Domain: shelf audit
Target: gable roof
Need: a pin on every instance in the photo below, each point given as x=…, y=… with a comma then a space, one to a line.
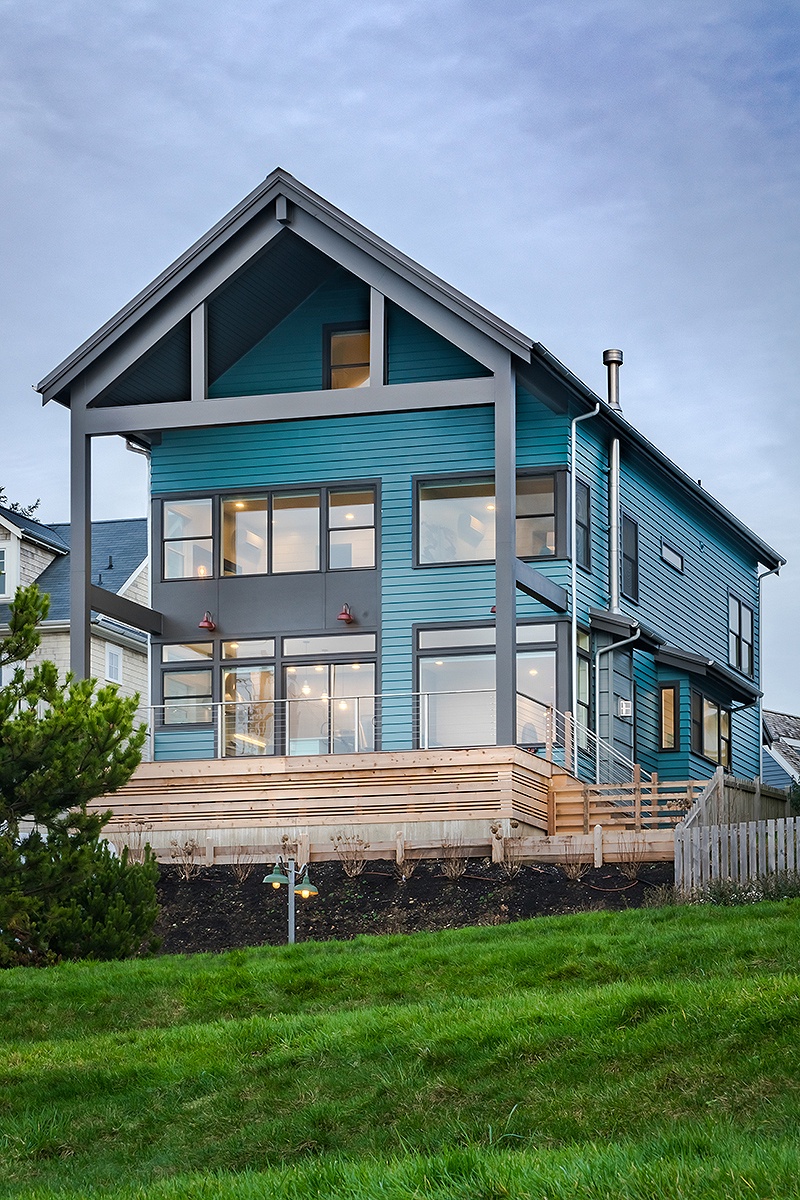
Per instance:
x=279, y=183
x=122, y=543
x=282, y=189
x=34, y=531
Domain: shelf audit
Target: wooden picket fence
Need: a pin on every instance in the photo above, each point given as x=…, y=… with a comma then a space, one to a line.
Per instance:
x=742, y=853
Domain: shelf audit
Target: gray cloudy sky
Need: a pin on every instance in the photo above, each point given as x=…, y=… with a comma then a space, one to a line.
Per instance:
x=605, y=173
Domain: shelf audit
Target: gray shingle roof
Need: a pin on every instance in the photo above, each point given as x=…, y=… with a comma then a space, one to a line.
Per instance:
x=118, y=548
x=46, y=534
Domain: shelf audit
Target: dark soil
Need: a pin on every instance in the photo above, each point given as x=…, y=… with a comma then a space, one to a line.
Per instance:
x=214, y=911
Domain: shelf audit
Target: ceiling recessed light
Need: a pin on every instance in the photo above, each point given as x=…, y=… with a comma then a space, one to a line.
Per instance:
x=349, y=516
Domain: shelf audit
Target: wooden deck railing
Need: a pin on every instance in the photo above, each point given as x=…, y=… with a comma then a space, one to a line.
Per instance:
x=636, y=806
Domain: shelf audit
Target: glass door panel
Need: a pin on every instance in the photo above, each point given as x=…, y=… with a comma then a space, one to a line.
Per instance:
x=249, y=710
x=353, y=707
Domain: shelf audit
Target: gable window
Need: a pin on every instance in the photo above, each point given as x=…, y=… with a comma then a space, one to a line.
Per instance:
x=113, y=663
x=740, y=635
x=711, y=730
x=187, y=539
x=456, y=523
x=630, y=558
x=583, y=525
x=347, y=358
x=668, y=715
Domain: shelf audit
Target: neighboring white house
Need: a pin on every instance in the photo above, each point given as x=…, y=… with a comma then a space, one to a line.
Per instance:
x=780, y=765
x=31, y=552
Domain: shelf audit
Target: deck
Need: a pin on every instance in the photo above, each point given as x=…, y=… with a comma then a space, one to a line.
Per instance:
x=490, y=801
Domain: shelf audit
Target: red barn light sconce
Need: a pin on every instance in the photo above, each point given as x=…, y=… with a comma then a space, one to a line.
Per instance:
x=345, y=615
x=493, y=609
x=207, y=623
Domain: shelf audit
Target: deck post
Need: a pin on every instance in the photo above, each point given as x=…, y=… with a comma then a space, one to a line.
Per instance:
x=598, y=845
x=505, y=483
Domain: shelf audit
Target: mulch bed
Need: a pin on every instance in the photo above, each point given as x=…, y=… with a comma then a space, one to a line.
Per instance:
x=214, y=911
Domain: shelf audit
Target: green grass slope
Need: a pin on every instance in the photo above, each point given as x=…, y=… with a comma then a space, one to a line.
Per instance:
x=653, y=1053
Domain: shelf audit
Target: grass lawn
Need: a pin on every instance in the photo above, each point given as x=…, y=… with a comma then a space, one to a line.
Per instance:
x=651, y=1053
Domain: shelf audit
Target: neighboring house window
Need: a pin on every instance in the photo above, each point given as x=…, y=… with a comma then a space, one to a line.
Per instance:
x=3, y=579
x=711, y=730
x=113, y=663
x=583, y=525
x=673, y=557
x=455, y=519
x=187, y=539
x=668, y=717
x=740, y=635
x=630, y=558
x=347, y=358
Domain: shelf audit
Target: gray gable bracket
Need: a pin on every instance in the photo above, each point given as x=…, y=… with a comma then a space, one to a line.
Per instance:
x=126, y=611
x=533, y=583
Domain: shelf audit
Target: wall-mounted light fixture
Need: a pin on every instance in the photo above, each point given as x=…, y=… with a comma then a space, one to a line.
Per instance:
x=345, y=615
x=207, y=622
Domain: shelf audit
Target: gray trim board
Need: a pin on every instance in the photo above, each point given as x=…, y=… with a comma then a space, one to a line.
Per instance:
x=126, y=611
x=288, y=406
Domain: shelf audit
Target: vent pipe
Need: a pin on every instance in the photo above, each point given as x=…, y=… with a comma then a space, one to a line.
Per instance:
x=613, y=360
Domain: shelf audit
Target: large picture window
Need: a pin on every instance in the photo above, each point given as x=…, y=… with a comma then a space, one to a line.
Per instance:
x=456, y=519
x=276, y=532
x=458, y=688
x=740, y=635
x=711, y=730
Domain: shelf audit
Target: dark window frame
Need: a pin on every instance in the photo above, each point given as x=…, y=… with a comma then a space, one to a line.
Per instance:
x=220, y=496
x=722, y=759
x=665, y=545
x=674, y=687
x=736, y=640
x=339, y=327
x=559, y=477
x=632, y=593
x=587, y=526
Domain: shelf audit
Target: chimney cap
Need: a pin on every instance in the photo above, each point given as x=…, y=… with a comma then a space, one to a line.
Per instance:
x=612, y=356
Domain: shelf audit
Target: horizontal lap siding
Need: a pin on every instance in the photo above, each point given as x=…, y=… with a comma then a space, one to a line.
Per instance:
x=417, y=354
x=592, y=461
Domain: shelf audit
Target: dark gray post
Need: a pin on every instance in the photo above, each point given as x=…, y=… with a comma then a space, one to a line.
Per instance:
x=80, y=555
x=505, y=476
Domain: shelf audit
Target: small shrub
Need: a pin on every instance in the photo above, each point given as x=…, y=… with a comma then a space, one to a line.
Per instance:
x=242, y=867
x=351, y=850
x=453, y=864
x=632, y=845
x=184, y=854
x=111, y=915
x=572, y=863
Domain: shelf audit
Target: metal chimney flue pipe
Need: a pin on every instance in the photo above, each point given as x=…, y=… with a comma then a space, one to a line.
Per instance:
x=613, y=360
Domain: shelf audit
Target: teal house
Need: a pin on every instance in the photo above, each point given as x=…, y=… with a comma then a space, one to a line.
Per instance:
x=383, y=520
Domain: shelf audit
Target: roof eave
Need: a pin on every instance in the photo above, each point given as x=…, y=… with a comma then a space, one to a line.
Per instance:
x=280, y=182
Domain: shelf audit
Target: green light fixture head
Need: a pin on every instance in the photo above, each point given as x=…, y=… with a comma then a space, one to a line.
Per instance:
x=305, y=887
x=277, y=877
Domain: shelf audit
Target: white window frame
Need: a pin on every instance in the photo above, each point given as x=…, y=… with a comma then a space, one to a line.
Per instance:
x=113, y=648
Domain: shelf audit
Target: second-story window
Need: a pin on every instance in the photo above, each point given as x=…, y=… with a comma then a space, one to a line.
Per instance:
x=276, y=533
x=630, y=558
x=456, y=518
x=347, y=353
x=583, y=525
x=188, y=543
x=740, y=635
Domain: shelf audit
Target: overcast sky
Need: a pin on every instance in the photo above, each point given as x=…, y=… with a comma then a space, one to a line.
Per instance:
x=597, y=173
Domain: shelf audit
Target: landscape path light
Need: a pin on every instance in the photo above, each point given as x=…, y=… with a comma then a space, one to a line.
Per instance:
x=288, y=877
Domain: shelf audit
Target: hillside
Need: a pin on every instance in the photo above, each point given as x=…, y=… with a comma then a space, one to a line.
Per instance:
x=650, y=1053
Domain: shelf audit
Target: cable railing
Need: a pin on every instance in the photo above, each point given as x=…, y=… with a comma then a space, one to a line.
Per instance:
x=357, y=724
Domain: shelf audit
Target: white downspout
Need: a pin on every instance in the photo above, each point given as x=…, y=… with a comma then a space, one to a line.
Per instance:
x=613, y=527
x=573, y=486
